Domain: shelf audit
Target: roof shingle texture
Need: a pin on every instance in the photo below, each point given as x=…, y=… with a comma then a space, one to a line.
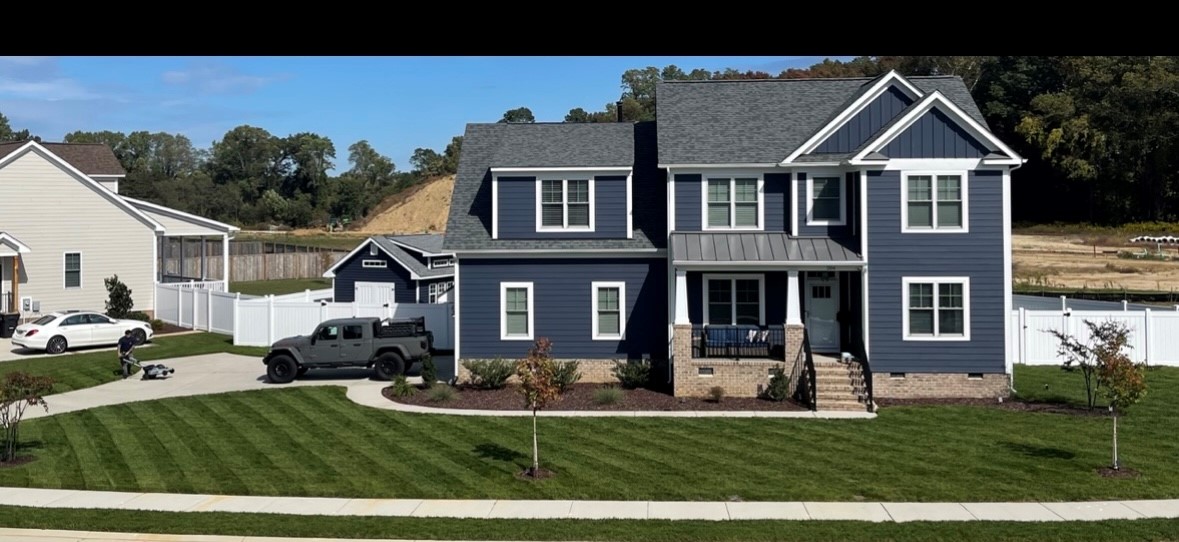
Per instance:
x=89, y=158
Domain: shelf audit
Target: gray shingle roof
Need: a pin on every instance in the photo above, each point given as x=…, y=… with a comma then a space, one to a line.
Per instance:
x=745, y=122
x=425, y=242
x=408, y=261
x=758, y=247
x=555, y=145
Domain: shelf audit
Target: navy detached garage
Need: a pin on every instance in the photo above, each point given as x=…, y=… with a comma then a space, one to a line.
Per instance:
x=395, y=269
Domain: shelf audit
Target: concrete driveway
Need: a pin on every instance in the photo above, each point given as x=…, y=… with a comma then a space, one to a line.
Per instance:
x=10, y=352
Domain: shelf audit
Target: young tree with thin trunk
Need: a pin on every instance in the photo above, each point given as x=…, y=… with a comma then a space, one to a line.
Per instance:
x=1124, y=384
x=1106, y=339
x=539, y=386
x=19, y=391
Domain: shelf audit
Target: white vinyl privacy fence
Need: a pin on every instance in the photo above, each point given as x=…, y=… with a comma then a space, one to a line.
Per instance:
x=259, y=321
x=1154, y=334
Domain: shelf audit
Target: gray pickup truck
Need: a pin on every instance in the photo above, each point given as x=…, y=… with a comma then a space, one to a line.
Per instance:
x=388, y=346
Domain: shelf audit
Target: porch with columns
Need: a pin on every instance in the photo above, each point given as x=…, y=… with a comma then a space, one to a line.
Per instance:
x=208, y=266
x=10, y=272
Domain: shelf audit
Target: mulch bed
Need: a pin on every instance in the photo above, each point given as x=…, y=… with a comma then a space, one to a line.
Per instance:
x=1007, y=404
x=1124, y=472
x=581, y=397
x=18, y=461
x=169, y=328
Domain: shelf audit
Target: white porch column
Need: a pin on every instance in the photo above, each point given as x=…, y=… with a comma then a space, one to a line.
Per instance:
x=204, y=259
x=225, y=260
x=681, y=298
x=793, y=305
x=181, y=264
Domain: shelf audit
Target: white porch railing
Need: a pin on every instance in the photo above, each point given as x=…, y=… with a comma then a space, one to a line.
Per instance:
x=259, y=321
x=215, y=285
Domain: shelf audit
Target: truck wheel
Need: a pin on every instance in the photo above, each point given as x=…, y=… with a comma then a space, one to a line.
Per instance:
x=281, y=369
x=389, y=365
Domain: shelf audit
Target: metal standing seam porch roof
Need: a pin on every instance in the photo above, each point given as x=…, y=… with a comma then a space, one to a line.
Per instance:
x=759, y=247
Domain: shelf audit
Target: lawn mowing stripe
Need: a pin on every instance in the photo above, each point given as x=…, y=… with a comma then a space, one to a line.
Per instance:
x=238, y=453
x=57, y=459
x=103, y=427
x=341, y=417
x=89, y=458
x=155, y=435
x=614, y=456
x=129, y=440
x=316, y=450
x=213, y=476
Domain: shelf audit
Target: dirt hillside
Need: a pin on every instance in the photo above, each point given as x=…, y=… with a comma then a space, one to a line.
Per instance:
x=1076, y=262
x=421, y=209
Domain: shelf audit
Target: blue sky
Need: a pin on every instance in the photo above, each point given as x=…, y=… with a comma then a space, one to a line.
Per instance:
x=396, y=103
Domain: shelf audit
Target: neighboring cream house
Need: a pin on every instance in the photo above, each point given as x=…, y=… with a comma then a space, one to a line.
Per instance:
x=64, y=228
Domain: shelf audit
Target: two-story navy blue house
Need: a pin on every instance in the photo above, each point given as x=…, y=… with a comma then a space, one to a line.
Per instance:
x=753, y=224
x=395, y=269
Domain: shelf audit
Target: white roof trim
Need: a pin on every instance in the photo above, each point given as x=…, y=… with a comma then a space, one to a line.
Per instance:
x=781, y=264
x=416, y=249
x=86, y=179
x=14, y=243
x=719, y=166
x=936, y=99
x=181, y=215
x=555, y=169
x=109, y=176
x=852, y=110
x=558, y=253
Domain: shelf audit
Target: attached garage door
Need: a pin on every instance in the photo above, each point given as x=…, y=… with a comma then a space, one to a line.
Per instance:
x=374, y=293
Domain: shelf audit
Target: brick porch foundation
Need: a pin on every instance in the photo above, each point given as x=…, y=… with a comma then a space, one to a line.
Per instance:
x=939, y=385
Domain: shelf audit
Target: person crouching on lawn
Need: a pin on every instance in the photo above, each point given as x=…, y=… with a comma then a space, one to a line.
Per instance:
x=126, y=346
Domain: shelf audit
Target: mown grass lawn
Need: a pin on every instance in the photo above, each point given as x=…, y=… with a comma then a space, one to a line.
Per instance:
x=315, y=442
x=276, y=525
x=91, y=368
x=279, y=287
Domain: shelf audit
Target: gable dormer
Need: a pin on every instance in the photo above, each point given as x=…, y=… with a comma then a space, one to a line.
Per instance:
x=877, y=103
x=563, y=181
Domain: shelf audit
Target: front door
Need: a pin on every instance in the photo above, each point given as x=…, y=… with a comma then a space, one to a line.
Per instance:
x=374, y=293
x=822, y=304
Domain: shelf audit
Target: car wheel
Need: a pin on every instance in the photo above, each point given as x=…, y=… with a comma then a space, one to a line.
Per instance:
x=281, y=369
x=56, y=345
x=389, y=365
x=139, y=336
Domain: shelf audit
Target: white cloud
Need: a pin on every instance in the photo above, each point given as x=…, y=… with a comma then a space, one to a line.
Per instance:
x=25, y=60
x=215, y=78
x=49, y=90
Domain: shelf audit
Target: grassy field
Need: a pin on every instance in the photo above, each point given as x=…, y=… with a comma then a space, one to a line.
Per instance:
x=276, y=525
x=279, y=287
x=338, y=241
x=273, y=443
x=86, y=369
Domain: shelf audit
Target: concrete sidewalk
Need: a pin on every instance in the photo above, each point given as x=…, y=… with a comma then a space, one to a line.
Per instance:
x=568, y=509
x=44, y=535
x=222, y=373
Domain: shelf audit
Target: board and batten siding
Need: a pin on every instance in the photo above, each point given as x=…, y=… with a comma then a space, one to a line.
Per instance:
x=689, y=208
x=53, y=212
x=353, y=271
x=977, y=254
x=934, y=135
x=866, y=123
x=851, y=189
x=563, y=304
x=517, y=210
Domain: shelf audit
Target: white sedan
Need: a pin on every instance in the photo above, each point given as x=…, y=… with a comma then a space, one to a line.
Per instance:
x=59, y=331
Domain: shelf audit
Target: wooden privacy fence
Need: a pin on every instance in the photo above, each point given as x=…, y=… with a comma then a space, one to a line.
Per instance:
x=251, y=267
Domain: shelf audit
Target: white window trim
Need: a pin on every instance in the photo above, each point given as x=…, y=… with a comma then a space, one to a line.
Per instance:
x=374, y=264
x=565, y=204
x=372, y=248
x=81, y=264
x=810, y=200
x=965, y=175
x=761, y=200
x=435, y=265
x=503, y=311
x=436, y=289
x=594, y=286
x=964, y=281
x=761, y=296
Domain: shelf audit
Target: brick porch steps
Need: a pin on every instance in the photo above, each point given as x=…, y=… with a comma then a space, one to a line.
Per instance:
x=838, y=386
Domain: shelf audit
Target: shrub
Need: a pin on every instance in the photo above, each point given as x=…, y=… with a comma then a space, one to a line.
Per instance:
x=779, y=387
x=429, y=371
x=402, y=388
x=608, y=395
x=566, y=375
x=440, y=394
x=489, y=374
x=632, y=374
x=157, y=324
x=118, y=302
x=18, y=392
x=716, y=394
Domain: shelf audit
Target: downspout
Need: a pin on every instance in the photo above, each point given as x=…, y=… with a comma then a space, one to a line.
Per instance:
x=1022, y=161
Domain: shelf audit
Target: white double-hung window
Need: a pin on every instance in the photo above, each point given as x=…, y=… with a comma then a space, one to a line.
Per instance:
x=733, y=203
x=516, y=316
x=934, y=202
x=609, y=310
x=936, y=308
x=825, y=201
x=565, y=204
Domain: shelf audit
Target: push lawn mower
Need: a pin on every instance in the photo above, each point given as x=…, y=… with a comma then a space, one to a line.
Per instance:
x=152, y=371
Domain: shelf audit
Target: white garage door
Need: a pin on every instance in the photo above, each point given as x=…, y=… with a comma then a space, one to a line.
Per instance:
x=374, y=293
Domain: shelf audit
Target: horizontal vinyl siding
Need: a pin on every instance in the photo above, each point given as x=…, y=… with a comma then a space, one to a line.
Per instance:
x=562, y=304
x=934, y=135
x=866, y=123
x=977, y=254
x=353, y=271
x=53, y=212
x=777, y=196
x=687, y=202
x=517, y=210
x=834, y=232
